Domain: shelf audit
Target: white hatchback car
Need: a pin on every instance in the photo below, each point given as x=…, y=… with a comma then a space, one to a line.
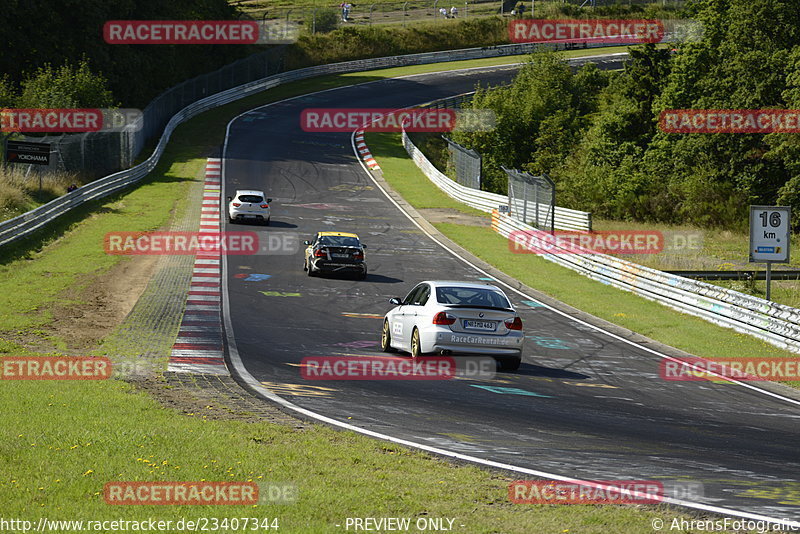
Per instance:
x=455, y=317
x=249, y=205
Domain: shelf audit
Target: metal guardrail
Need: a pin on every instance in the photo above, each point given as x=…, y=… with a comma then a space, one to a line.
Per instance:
x=775, y=323
x=782, y=274
x=30, y=222
x=565, y=219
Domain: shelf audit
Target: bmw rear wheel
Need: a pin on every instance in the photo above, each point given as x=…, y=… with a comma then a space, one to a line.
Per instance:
x=386, y=338
x=415, y=345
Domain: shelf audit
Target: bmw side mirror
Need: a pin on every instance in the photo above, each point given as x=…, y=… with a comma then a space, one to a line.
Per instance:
x=306, y=242
x=363, y=245
x=230, y=198
x=395, y=300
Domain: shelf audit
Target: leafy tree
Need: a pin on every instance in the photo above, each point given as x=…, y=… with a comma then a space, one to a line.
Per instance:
x=608, y=155
x=8, y=93
x=539, y=118
x=65, y=87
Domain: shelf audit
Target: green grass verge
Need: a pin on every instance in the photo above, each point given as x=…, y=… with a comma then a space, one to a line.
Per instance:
x=62, y=442
x=658, y=322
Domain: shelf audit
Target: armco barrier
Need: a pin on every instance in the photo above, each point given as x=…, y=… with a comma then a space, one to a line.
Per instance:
x=774, y=323
x=565, y=219
x=32, y=221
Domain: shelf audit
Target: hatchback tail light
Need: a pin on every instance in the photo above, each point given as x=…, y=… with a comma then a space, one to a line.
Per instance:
x=265, y=205
x=320, y=253
x=515, y=324
x=443, y=318
x=236, y=204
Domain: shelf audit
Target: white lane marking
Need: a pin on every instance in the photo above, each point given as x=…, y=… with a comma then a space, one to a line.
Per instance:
x=251, y=381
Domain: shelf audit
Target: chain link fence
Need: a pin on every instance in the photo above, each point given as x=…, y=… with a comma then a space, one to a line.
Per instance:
x=415, y=11
x=96, y=154
x=531, y=199
x=465, y=163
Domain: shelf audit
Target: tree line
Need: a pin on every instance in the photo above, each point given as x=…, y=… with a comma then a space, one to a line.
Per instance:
x=54, y=54
x=596, y=133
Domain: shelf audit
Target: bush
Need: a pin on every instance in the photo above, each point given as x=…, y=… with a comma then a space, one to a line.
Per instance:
x=323, y=21
x=65, y=87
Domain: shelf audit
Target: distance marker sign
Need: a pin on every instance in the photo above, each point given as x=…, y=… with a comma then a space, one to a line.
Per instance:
x=769, y=234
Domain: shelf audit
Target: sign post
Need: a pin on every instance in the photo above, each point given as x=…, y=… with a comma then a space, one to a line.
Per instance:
x=770, y=233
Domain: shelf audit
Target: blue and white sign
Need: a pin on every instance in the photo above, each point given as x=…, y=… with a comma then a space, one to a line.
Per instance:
x=769, y=234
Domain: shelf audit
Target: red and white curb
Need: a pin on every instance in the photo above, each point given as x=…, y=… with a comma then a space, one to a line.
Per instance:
x=363, y=149
x=198, y=347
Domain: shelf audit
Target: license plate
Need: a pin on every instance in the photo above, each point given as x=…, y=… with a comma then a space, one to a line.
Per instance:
x=480, y=325
x=340, y=255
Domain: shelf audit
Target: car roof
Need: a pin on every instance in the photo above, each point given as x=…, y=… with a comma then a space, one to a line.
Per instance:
x=249, y=192
x=339, y=234
x=460, y=283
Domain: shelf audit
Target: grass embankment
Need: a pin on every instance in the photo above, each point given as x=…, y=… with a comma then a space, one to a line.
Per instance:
x=415, y=12
x=61, y=442
x=20, y=192
x=658, y=322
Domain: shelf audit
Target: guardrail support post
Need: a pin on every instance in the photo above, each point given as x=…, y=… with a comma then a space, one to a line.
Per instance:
x=769, y=278
x=405, y=5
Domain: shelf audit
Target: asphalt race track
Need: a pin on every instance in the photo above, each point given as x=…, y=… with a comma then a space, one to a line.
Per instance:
x=584, y=404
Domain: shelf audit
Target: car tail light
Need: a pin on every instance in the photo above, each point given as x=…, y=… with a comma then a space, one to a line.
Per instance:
x=443, y=318
x=515, y=324
x=320, y=253
x=358, y=254
x=264, y=205
x=236, y=204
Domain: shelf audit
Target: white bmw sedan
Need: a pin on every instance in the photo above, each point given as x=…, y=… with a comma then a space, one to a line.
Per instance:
x=455, y=317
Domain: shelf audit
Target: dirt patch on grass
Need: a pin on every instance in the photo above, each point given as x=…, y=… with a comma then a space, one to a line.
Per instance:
x=450, y=215
x=105, y=300
x=96, y=304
